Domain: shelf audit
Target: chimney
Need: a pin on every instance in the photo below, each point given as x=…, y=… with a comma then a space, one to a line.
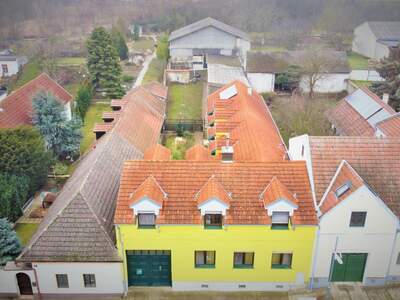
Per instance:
x=249, y=90
x=385, y=98
x=227, y=152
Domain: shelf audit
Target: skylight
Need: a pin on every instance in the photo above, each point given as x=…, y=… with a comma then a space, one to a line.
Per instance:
x=228, y=93
x=340, y=191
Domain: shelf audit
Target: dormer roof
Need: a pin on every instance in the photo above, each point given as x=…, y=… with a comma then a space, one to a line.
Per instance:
x=276, y=191
x=151, y=190
x=212, y=189
x=157, y=152
x=197, y=152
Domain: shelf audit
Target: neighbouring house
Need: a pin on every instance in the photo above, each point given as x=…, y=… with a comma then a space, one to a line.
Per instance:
x=73, y=251
x=10, y=64
x=208, y=36
x=363, y=113
x=3, y=93
x=263, y=68
x=356, y=183
x=240, y=124
x=223, y=70
x=375, y=39
x=16, y=109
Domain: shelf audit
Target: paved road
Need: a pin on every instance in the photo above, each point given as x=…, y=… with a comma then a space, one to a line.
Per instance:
x=146, y=65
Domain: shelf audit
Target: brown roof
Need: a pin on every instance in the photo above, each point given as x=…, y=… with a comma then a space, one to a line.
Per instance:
x=111, y=115
x=376, y=160
x=390, y=126
x=157, y=152
x=182, y=180
x=265, y=62
x=103, y=127
x=157, y=89
x=276, y=190
x=16, y=109
x=149, y=188
x=198, y=152
x=79, y=225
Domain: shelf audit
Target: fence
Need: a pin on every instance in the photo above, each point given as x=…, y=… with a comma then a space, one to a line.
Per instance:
x=186, y=125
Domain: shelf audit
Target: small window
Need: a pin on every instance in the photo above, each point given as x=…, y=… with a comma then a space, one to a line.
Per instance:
x=340, y=191
x=89, y=280
x=204, y=259
x=280, y=220
x=213, y=221
x=281, y=260
x=243, y=259
x=398, y=259
x=146, y=220
x=5, y=69
x=358, y=218
x=62, y=281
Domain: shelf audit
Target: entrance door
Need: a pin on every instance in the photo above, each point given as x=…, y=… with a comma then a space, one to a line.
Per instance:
x=149, y=267
x=24, y=284
x=352, y=268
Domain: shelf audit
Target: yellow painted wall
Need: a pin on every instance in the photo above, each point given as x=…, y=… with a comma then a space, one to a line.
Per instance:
x=184, y=240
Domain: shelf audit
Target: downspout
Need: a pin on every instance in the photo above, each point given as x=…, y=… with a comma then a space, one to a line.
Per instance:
x=125, y=283
x=392, y=252
x=315, y=258
x=37, y=283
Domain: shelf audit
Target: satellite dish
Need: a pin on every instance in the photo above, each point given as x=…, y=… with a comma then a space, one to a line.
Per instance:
x=338, y=258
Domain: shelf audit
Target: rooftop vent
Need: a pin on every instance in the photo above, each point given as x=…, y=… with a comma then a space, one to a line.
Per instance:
x=385, y=98
x=340, y=191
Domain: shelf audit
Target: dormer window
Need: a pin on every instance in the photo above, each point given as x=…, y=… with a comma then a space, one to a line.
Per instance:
x=146, y=220
x=213, y=221
x=280, y=220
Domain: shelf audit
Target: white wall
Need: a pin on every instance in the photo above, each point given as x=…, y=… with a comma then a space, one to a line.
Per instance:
x=67, y=110
x=364, y=41
x=262, y=82
x=329, y=83
x=12, y=67
x=395, y=268
x=381, y=51
x=365, y=75
x=9, y=284
x=109, y=277
x=375, y=238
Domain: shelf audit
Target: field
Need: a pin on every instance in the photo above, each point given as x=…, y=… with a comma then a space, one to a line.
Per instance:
x=155, y=71
x=357, y=61
x=141, y=45
x=25, y=231
x=71, y=61
x=29, y=72
x=185, y=101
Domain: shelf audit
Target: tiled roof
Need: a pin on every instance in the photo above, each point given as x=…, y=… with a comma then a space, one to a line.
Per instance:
x=17, y=109
x=276, y=190
x=79, y=225
x=111, y=115
x=376, y=160
x=247, y=122
x=150, y=189
x=118, y=102
x=182, y=180
x=386, y=30
x=390, y=126
x=157, y=89
x=212, y=189
x=344, y=174
x=103, y=127
x=198, y=152
x=157, y=152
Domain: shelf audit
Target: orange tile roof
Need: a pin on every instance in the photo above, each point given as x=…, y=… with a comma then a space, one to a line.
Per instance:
x=182, y=180
x=276, y=190
x=376, y=160
x=16, y=109
x=103, y=127
x=157, y=152
x=111, y=115
x=247, y=122
x=390, y=126
x=212, y=189
x=151, y=189
x=118, y=103
x=157, y=89
x=198, y=152
x=345, y=173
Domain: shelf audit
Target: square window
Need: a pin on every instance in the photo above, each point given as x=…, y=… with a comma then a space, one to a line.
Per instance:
x=146, y=220
x=243, y=259
x=62, y=280
x=213, y=221
x=89, y=280
x=358, y=218
x=280, y=220
x=281, y=260
x=204, y=259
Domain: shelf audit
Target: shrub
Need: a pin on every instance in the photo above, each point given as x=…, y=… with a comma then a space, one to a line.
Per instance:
x=127, y=78
x=10, y=246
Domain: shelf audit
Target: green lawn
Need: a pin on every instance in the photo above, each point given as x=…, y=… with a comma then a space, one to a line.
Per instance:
x=357, y=61
x=178, y=148
x=185, y=101
x=72, y=88
x=29, y=72
x=25, y=231
x=155, y=71
x=93, y=115
x=71, y=61
x=142, y=44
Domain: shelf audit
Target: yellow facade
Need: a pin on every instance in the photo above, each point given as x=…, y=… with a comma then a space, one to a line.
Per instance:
x=184, y=240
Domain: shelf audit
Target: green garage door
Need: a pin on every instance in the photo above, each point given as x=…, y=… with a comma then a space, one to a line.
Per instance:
x=149, y=267
x=352, y=268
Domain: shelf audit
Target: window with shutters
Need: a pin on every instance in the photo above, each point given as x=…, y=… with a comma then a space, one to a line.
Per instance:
x=89, y=280
x=358, y=218
x=243, y=260
x=204, y=259
x=281, y=260
x=146, y=220
x=62, y=281
x=280, y=220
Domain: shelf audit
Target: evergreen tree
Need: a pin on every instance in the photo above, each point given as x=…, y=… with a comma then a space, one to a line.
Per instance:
x=23, y=154
x=103, y=63
x=83, y=98
x=10, y=246
x=13, y=195
x=136, y=30
x=61, y=135
x=120, y=43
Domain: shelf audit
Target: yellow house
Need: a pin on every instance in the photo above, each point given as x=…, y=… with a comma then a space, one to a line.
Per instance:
x=215, y=225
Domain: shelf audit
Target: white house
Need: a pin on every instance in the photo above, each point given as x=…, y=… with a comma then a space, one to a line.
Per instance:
x=10, y=64
x=375, y=39
x=208, y=36
x=356, y=188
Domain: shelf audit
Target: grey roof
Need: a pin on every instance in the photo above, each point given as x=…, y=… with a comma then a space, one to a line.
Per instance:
x=385, y=31
x=79, y=225
x=206, y=23
x=221, y=74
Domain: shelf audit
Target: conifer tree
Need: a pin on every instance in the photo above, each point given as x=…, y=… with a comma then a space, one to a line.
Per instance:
x=10, y=246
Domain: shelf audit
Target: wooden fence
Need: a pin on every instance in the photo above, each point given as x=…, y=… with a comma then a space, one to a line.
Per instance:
x=187, y=125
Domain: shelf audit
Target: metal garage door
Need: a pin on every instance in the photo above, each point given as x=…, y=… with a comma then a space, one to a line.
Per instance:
x=149, y=267
x=352, y=268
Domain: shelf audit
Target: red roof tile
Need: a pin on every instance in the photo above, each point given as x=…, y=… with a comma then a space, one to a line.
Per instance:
x=103, y=127
x=390, y=126
x=157, y=152
x=182, y=180
x=212, y=189
x=198, y=152
x=151, y=189
x=276, y=190
x=111, y=115
x=157, y=89
x=16, y=109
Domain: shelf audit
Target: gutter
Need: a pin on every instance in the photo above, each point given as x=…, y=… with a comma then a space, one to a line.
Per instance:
x=315, y=257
